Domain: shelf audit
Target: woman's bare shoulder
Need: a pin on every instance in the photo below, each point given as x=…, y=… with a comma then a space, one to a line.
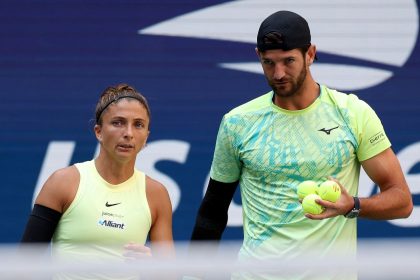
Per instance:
x=59, y=189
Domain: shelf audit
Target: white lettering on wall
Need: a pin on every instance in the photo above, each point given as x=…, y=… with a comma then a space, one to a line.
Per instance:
x=234, y=212
x=172, y=150
x=409, y=157
x=59, y=154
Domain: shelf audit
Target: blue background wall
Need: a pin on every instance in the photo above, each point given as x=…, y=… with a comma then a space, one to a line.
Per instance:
x=56, y=57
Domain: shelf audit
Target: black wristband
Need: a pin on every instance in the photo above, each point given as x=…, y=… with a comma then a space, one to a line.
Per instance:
x=41, y=225
x=212, y=216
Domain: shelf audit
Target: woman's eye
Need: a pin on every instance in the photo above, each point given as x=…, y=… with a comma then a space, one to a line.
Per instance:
x=139, y=125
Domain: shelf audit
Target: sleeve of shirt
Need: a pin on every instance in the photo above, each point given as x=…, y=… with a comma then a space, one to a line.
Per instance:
x=226, y=165
x=370, y=132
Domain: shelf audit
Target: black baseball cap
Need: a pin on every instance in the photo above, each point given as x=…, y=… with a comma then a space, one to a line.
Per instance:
x=290, y=29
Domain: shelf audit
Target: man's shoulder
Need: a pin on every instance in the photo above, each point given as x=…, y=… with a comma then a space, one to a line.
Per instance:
x=257, y=104
x=342, y=99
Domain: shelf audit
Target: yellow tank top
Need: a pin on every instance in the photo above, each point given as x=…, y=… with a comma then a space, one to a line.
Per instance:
x=102, y=218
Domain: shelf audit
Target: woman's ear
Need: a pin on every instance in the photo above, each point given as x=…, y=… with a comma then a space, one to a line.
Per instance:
x=145, y=141
x=98, y=132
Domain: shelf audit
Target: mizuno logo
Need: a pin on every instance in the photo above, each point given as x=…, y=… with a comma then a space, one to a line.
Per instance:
x=327, y=131
x=111, y=204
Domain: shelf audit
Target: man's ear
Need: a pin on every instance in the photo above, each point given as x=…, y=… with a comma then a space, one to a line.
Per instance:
x=257, y=52
x=311, y=54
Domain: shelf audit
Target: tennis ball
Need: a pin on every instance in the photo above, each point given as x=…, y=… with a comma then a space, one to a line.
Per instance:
x=310, y=206
x=329, y=190
x=305, y=188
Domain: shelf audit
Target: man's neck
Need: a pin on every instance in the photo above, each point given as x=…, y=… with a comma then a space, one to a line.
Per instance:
x=301, y=100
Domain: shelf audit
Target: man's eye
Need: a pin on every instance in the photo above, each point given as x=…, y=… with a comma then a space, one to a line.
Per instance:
x=290, y=60
x=267, y=62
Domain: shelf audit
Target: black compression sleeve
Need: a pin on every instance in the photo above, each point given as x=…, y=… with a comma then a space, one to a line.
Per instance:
x=212, y=216
x=41, y=225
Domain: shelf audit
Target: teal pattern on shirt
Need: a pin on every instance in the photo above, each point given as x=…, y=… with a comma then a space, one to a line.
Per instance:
x=270, y=150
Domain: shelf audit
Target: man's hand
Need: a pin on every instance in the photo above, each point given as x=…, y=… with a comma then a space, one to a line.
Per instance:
x=134, y=251
x=333, y=209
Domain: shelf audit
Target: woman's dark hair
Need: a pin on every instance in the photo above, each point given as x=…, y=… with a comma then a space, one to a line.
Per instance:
x=113, y=94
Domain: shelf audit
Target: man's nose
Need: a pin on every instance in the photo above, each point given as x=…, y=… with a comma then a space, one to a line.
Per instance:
x=279, y=71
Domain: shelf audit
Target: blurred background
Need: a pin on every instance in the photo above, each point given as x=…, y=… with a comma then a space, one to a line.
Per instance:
x=194, y=61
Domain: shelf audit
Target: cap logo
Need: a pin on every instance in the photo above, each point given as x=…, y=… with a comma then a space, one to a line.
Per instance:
x=273, y=38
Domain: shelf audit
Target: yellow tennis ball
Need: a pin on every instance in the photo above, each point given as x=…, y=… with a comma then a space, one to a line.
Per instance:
x=310, y=206
x=329, y=190
x=305, y=188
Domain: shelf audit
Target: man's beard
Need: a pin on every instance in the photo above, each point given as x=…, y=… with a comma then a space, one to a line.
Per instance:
x=296, y=85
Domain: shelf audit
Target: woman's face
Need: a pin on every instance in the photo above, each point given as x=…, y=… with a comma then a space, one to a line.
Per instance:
x=124, y=129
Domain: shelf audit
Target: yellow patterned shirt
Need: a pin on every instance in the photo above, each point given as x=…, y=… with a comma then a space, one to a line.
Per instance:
x=271, y=150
